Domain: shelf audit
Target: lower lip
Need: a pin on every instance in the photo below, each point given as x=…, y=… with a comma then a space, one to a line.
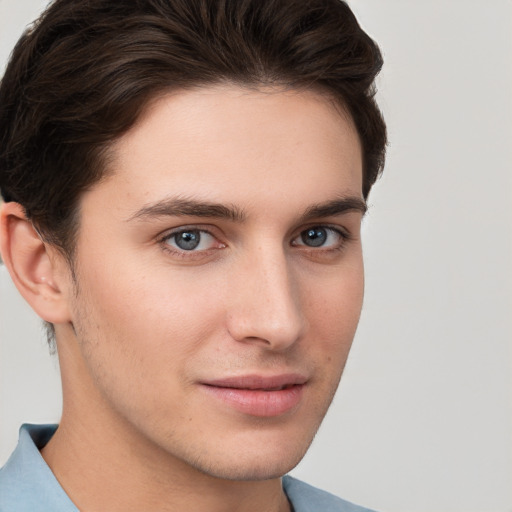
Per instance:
x=257, y=402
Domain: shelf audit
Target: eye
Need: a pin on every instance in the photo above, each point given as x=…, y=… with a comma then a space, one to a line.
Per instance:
x=320, y=236
x=191, y=240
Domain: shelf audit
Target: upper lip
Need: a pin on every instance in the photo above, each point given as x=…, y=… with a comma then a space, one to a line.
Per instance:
x=270, y=382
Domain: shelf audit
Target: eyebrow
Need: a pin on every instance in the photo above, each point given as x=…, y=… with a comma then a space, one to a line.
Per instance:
x=335, y=207
x=185, y=207
x=188, y=207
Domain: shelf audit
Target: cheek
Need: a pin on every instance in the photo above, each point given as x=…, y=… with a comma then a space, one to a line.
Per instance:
x=146, y=327
x=334, y=311
x=153, y=301
x=139, y=338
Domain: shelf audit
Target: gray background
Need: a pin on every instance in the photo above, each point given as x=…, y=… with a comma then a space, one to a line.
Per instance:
x=423, y=420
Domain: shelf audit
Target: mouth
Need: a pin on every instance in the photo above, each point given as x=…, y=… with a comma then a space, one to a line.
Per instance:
x=263, y=396
x=258, y=382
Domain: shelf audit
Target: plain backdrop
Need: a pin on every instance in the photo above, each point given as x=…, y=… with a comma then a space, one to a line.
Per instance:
x=423, y=418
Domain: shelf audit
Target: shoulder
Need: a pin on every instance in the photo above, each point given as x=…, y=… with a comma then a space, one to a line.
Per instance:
x=306, y=498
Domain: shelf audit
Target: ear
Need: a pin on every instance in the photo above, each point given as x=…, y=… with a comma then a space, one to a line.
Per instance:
x=39, y=271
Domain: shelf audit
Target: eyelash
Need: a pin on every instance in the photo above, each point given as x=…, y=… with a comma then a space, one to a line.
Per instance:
x=342, y=234
x=184, y=253
x=163, y=241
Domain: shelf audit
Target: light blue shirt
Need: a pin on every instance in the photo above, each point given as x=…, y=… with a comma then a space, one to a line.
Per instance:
x=27, y=484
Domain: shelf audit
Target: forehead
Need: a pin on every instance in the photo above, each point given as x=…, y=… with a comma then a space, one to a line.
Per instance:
x=227, y=143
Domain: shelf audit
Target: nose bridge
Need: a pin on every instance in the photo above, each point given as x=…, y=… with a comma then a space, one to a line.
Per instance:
x=266, y=303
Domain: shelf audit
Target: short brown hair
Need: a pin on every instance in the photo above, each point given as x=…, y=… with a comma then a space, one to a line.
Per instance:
x=80, y=77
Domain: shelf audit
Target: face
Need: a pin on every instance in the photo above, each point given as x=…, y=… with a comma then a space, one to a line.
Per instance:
x=219, y=278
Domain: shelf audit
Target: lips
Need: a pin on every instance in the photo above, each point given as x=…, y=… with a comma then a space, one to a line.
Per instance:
x=263, y=396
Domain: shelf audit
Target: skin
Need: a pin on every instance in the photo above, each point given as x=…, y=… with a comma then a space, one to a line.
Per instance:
x=143, y=324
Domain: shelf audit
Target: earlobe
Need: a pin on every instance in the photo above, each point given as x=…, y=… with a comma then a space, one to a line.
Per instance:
x=35, y=268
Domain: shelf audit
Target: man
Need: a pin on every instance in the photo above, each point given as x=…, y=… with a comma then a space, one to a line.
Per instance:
x=184, y=183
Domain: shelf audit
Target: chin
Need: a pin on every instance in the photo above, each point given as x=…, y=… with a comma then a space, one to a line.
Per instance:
x=254, y=463
x=251, y=470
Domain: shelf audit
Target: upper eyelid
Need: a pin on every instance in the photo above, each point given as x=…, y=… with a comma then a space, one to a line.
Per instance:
x=344, y=232
x=341, y=243
x=192, y=255
x=181, y=229
x=164, y=238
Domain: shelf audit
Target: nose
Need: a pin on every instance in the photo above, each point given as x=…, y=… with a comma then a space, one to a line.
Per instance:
x=265, y=303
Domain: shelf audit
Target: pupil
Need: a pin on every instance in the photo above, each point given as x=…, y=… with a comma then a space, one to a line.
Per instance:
x=314, y=237
x=188, y=240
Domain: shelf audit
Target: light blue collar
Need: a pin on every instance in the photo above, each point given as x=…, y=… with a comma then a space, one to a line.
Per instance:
x=27, y=484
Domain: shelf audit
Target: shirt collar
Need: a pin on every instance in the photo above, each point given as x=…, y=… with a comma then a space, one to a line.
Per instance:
x=26, y=481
